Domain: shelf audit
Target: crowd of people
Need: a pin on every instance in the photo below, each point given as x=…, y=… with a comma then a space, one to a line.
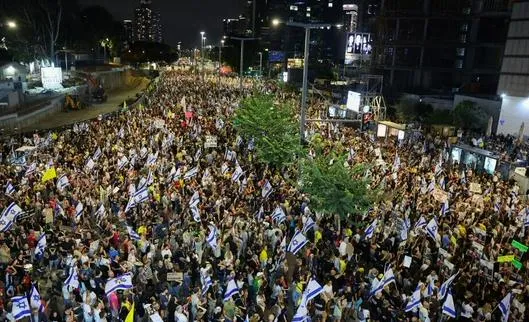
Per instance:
x=162, y=213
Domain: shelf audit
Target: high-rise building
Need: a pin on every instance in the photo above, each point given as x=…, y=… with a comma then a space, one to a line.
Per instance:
x=350, y=19
x=514, y=76
x=441, y=46
x=147, y=23
x=128, y=29
x=236, y=27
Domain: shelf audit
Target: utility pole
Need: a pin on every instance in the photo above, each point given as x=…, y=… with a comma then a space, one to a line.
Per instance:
x=242, y=40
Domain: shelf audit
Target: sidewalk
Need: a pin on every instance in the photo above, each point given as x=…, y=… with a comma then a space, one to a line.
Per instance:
x=115, y=99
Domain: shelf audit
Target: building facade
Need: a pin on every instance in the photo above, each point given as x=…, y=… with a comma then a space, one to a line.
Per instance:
x=147, y=23
x=514, y=77
x=441, y=46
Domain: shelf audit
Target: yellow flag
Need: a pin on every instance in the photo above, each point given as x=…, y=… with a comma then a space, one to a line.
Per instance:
x=130, y=316
x=49, y=174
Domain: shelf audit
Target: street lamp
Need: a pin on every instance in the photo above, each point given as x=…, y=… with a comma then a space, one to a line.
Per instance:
x=202, y=41
x=260, y=64
x=304, y=93
x=242, y=57
x=220, y=56
x=11, y=24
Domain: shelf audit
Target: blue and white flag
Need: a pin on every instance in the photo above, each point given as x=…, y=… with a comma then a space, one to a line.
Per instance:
x=431, y=186
x=445, y=208
x=260, y=213
x=432, y=229
x=237, y=173
x=206, y=282
x=224, y=168
x=405, y=227
x=448, y=306
x=370, y=230
x=122, y=162
x=34, y=299
x=195, y=199
x=41, y=246
x=302, y=313
x=10, y=189
x=123, y=282
x=443, y=290
x=351, y=155
x=63, y=182
x=196, y=213
x=278, y=215
x=100, y=212
x=198, y=154
x=497, y=206
x=267, y=189
x=8, y=216
x=79, y=210
x=505, y=306
x=463, y=179
x=90, y=164
x=231, y=289
x=97, y=154
x=229, y=155
x=297, y=242
x=313, y=289
x=415, y=299
x=526, y=218
x=396, y=163
x=309, y=224
x=191, y=173
x=20, y=307
x=31, y=169
x=73, y=279
x=387, y=279
x=421, y=223
x=151, y=159
x=430, y=288
x=130, y=204
x=121, y=133
x=132, y=234
x=141, y=195
x=212, y=237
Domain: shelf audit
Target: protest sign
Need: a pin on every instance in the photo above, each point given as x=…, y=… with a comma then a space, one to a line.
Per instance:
x=211, y=141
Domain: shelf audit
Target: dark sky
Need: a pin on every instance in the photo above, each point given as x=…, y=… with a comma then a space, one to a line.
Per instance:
x=182, y=19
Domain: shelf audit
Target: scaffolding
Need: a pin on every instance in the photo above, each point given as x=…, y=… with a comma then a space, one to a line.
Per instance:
x=370, y=89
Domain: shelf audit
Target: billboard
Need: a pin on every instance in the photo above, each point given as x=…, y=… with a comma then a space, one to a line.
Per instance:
x=51, y=77
x=295, y=63
x=275, y=56
x=358, y=45
x=353, y=101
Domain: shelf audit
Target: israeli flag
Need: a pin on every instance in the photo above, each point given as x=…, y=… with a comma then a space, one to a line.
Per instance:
x=229, y=155
x=206, y=174
x=191, y=173
x=198, y=154
x=267, y=189
x=10, y=189
x=370, y=230
x=31, y=169
x=432, y=228
x=387, y=279
x=430, y=289
x=445, y=208
x=237, y=174
x=121, y=133
x=79, y=210
x=224, y=168
x=141, y=195
x=448, y=306
x=313, y=289
x=260, y=213
x=396, y=163
x=100, y=212
x=97, y=154
x=212, y=237
x=8, y=216
x=231, y=290
x=73, y=278
x=34, y=299
x=122, y=162
x=206, y=282
x=123, y=282
x=297, y=242
x=63, y=182
x=497, y=206
x=463, y=177
x=279, y=215
x=219, y=124
x=173, y=175
x=143, y=152
x=406, y=224
x=151, y=159
x=195, y=199
x=309, y=224
x=443, y=290
x=302, y=312
x=130, y=204
x=132, y=234
x=41, y=246
x=431, y=186
x=415, y=299
x=505, y=306
x=20, y=307
x=196, y=213
x=90, y=164
x=526, y=219
x=421, y=223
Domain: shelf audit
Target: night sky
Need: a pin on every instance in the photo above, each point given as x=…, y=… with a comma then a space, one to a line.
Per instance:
x=182, y=19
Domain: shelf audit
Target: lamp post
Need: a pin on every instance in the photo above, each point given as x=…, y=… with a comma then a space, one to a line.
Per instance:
x=242, y=40
x=260, y=64
x=304, y=92
x=202, y=39
x=220, y=56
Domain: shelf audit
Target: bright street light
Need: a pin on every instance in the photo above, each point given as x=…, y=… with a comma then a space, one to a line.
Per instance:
x=276, y=22
x=11, y=24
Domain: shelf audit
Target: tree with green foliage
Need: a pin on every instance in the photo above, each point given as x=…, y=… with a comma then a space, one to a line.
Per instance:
x=334, y=188
x=470, y=116
x=409, y=110
x=273, y=127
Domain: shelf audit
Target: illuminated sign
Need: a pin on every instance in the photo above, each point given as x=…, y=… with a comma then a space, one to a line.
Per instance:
x=358, y=45
x=51, y=77
x=295, y=63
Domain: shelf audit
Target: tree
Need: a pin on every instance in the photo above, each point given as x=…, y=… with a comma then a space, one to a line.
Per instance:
x=470, y=116
x=409, y=110
x=273, y=127
x=334, y=188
